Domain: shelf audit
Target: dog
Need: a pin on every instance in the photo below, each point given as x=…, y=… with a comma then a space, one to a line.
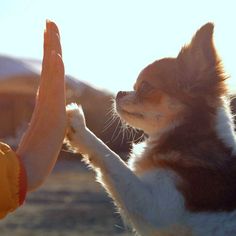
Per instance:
x=182, y=180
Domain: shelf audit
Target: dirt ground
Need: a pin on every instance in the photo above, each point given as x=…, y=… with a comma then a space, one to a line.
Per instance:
x=70, y=203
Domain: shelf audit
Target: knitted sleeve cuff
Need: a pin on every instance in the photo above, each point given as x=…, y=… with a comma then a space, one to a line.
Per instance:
x=13, y=180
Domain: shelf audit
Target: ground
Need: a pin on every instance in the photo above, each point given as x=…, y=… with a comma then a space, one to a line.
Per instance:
x=69, y=203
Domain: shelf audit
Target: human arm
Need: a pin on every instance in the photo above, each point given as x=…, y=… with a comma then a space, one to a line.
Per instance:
x=41, y=143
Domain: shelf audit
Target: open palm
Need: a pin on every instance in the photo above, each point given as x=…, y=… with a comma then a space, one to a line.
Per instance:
x=41, y=143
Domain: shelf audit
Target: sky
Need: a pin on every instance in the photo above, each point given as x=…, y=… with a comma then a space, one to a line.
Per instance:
x=107, y=43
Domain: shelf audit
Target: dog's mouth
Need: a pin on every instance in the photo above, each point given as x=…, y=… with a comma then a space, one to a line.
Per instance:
x=120, y=110
x=125, y=112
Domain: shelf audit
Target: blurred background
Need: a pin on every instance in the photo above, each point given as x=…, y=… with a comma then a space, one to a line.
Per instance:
x=106, y=44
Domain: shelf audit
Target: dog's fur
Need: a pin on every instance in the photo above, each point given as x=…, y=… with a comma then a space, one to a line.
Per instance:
x=183, y=181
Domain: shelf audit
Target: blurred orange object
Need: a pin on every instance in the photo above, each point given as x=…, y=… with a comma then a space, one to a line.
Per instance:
x=13, y=181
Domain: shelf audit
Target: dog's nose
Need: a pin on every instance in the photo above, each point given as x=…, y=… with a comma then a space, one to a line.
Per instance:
x=120, y=94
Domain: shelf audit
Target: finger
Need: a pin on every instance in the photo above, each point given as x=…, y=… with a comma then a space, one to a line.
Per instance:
x=56, y=95
x=53, y=92
x=44, y=83
x=60, y=70
x=57, y=83
x=48, y=70
x=51, y=42
x=53, y=31
x=52, y=26
x=55, y=43
x=51, y=39
x=46, y=51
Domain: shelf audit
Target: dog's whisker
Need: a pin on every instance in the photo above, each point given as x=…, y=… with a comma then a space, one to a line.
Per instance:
x=124, y=129
x=110, y=123
x=111, y=120
x=117, y=127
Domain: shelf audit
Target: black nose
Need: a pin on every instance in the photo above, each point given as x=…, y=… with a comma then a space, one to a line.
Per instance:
x=120, y=94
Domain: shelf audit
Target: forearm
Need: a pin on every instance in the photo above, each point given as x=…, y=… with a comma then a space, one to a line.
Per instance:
x=38, y=151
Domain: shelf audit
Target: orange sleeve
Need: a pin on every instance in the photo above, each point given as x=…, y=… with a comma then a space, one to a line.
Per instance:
x=13, y=181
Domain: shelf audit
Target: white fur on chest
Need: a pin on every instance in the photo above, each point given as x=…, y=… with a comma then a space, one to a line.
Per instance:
x=169, y=208
x=225, y=126
x=167, y=203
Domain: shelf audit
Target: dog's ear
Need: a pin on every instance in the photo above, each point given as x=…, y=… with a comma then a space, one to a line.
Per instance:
x=200, y=54
x=200, y=68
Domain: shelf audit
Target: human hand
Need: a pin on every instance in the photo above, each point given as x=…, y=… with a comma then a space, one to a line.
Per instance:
x=41, y=143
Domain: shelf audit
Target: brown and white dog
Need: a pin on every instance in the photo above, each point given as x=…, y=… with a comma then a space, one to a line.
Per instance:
x=183, y=181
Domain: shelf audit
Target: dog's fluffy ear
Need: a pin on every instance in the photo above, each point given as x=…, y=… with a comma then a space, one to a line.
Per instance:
x=200, y=54
x=200, y=67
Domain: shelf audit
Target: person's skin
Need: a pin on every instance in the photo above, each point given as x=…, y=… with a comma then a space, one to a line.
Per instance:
x=41, y=143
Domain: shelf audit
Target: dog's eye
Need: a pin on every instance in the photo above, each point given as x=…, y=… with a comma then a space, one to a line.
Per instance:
x=144, y=88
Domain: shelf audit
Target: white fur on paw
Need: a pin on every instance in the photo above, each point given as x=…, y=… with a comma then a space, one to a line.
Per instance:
x=76, y=126
x=75, y=116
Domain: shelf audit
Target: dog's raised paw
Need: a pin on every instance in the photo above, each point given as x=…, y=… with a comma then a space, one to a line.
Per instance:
x=75, y=117
x=76, y=125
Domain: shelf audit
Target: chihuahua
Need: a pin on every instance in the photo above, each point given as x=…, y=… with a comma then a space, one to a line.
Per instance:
x=182, y=179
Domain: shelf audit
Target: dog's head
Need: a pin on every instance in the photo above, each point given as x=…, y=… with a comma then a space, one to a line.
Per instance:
x=172, y=89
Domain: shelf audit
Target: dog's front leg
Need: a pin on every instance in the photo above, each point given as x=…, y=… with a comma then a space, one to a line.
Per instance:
x=130, y=194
